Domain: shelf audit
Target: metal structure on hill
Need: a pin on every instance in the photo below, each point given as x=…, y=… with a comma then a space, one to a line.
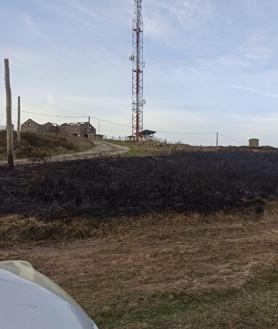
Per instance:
x=138, y=64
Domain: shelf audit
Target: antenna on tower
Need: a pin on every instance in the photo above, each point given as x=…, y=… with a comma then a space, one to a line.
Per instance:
x=138, y=65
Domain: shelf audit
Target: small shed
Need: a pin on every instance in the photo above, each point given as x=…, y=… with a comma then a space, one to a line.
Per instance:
x=254, y=142
x=144, y=135
x=100, y=137
x=147, y=134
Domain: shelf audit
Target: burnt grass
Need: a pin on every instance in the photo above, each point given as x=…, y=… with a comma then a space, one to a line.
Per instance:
x=193, y=181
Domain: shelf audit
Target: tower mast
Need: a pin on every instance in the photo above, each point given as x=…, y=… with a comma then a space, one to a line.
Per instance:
x=137, y=70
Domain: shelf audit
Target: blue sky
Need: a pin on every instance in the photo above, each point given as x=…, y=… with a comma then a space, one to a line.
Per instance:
x=211, y=65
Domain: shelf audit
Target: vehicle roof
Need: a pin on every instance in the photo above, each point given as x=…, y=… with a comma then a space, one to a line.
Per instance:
x=30, y=300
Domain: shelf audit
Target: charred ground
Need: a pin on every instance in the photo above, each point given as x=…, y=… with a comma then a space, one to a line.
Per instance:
x=191, y=181
x=181, y=241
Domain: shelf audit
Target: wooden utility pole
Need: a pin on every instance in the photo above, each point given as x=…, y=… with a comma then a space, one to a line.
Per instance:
x=9, y=125
x=89, y=126
x=217, y=139
x=18, y=119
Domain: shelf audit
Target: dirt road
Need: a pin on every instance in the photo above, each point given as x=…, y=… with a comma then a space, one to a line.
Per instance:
x=101, y=149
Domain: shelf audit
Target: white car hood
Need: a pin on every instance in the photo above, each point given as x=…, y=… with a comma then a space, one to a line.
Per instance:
x=29, y=300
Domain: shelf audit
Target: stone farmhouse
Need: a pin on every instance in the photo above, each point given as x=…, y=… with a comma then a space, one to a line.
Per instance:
x=79, y=129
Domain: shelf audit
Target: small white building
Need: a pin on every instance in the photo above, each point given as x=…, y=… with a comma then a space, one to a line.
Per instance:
x=254, y=142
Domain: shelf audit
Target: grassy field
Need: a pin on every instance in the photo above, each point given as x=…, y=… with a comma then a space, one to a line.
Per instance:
x=169, y=270
x=155, y=148
x=137, y=150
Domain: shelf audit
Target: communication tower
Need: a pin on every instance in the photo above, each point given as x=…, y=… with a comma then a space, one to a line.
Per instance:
x=138, y=65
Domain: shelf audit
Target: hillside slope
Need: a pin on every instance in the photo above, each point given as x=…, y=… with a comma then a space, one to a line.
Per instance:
x=42, y=146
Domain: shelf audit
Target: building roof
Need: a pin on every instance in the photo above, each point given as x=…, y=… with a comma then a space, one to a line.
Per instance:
x=144, y=133
x=74, y=124
x=51, y=124
x=147, y=132
x=31, y=120
x=71, y=124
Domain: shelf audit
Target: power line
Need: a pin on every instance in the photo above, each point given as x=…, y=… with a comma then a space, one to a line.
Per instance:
x=186, y=133
x=112, y=122
x=116, y=123
x=128, y=126
x=54, y=115
x=76, y=117
x=231, y=138
x=119, y=124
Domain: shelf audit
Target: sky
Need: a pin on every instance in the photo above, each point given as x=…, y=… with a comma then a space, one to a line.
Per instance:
x=211, y=65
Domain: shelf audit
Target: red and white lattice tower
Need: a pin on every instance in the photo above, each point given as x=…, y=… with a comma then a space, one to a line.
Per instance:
x=138, y=65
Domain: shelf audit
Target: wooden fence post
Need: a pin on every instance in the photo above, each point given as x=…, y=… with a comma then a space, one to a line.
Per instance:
x=18, y=119
x=9, y=125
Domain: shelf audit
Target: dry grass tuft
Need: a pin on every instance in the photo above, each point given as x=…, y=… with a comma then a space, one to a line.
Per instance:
x=19, y=229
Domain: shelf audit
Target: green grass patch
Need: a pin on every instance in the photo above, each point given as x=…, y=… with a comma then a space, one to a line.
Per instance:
x=254, y=306
x=143, y=149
